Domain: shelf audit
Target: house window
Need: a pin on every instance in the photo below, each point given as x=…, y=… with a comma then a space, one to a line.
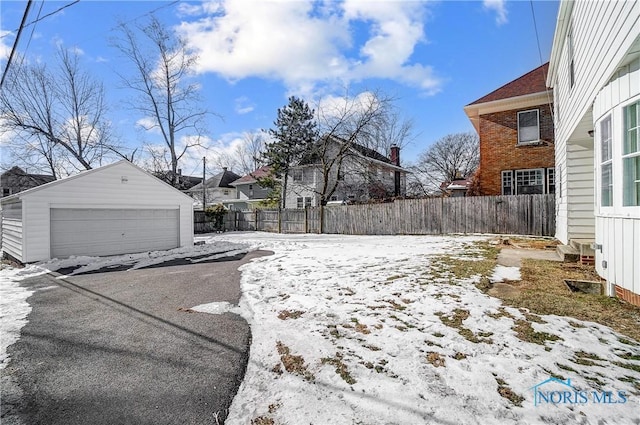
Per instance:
x=340, y=175
x=333, y=198
x=250, y=187
x=307, y=201
x=631, y=155
x=572, y=70
x=530, y=182
x=528, y=126
x=551, y=180
x=606, y=166
x=297, y=175
x=299, y=203
x=6, y=191
x=507, y=182
x=225, y=192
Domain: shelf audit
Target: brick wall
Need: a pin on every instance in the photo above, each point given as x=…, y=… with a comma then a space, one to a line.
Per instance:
x=499, y=150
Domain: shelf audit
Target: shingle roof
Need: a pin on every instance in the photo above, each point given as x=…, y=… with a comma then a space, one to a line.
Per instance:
x=222, y=179
x=253, y=176
x=531, y=82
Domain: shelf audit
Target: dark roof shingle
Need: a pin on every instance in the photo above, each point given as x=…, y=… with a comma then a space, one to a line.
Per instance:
x=531, y=82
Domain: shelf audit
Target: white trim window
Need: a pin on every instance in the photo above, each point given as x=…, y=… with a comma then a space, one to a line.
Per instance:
x=507, y=182
x=297, y=175
x=529, y=182
x=528, y=126
x=606, y=163
x=551, y=180
x=631, y=155
x=299, y=202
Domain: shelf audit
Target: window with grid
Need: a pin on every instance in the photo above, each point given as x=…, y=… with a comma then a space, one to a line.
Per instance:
x=307, y=201
x=631, y=155
x=528, y=126
x=507, y=182
x=551, y=180
x=299, y=203
x=606, y=164
x=530, y=181
x=297, y=175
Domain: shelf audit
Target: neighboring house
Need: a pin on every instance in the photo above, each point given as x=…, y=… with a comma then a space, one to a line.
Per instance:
x=595, y=75
x=16, y=180
x=115, y=209
x=184, y=182
x=515, y=126
x=456, y=188
x=249, y=193
x=364, y=174
x=218, y=189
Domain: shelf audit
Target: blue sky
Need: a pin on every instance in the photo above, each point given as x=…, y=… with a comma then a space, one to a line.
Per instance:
x=435, y=56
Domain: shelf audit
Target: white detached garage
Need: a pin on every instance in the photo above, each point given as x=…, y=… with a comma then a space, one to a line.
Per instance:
x=115, y=209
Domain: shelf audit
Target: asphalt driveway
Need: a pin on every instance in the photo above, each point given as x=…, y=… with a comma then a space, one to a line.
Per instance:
x=122, y=348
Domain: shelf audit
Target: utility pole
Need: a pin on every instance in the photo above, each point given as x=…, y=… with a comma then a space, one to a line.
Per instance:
x=204, y=181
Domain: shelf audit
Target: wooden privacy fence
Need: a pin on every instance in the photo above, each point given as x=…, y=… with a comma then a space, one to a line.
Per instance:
x=521, y=214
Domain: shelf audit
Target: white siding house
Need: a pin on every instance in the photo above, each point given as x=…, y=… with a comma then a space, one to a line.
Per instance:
x=115, y=209
x=595, y=75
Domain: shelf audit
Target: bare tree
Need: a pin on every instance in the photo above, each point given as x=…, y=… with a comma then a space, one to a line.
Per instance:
x=249, y=153
x=453, y=156
x=167, y=98
x=353, y=130
x=56, y=116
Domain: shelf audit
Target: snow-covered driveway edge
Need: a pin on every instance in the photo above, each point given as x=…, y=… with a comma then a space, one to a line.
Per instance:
x=350, y=329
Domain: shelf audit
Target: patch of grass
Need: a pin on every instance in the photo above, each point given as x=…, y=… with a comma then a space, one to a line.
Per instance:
x=542, y=291
x=435, y=359
x=506, y=392
x=631, y=380
x=534, y=318
x=584, y=355
x=502, y=312
x=395, y=277
x=372, y=347
x=629, y=356
x=629, y=366
x=290, y=314
x=567, y=368
x=362, y=328
x=341, y=367
x=455, y=321
x=292, y=363
x=627, y=342
x=577, y=325
x=438, y=334
x=525, y=332
x=555, y=375
x=459, y=356
x=262, y=420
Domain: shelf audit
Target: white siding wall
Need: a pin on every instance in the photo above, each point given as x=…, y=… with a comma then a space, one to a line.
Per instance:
x=618, y=227
x=579, y=183
x=603, y=32
x=12, y=229
x=102, y=188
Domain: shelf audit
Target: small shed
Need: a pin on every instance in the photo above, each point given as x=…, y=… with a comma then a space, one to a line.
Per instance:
x=111, y=210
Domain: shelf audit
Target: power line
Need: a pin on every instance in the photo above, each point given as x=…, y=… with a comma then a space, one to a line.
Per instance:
x=15, y=43
x=45, y=16
x=535, y=27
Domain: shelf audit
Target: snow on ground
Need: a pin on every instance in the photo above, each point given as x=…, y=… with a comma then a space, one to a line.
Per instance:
x=372, y=329
x=14, y=307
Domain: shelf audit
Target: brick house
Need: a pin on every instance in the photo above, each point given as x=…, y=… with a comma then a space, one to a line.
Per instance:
x=515, y=126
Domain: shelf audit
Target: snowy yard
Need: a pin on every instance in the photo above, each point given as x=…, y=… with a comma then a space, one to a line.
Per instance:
x=377, y=329
x=366, y=329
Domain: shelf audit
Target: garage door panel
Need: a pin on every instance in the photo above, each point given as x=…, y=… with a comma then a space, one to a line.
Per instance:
x=112, y=231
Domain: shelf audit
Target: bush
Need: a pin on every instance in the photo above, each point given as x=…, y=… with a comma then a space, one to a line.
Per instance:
x=216, y=215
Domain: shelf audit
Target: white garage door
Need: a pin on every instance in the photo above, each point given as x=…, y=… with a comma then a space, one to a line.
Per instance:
x=112, y=231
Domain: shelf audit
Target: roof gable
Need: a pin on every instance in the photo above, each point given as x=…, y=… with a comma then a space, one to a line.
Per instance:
x=223, y=179
x=253, y=176
x=95, y=172
x=530, y=83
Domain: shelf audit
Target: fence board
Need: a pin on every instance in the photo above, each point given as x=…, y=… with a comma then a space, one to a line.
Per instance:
x=521, y=214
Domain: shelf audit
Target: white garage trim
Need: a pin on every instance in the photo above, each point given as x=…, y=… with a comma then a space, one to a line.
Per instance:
x=101, y=231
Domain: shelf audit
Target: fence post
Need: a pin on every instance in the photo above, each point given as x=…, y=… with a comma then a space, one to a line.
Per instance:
x=255, y=219
x=321, y=219
x=306, y=220
x=279, y=220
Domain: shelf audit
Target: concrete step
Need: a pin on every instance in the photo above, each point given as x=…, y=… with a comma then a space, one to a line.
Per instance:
x=568, y=253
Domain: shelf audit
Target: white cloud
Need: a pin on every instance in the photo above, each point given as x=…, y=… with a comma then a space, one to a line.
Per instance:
x=500, y=7
x=5, y=47
x=243, y=105
x=307, y=43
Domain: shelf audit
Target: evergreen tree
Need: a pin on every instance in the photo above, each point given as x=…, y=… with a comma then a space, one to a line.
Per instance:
x=294, y=136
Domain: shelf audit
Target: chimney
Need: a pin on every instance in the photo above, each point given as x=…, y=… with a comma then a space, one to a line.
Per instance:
x=179, y=171
x=395, y=160
x=395, y=155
